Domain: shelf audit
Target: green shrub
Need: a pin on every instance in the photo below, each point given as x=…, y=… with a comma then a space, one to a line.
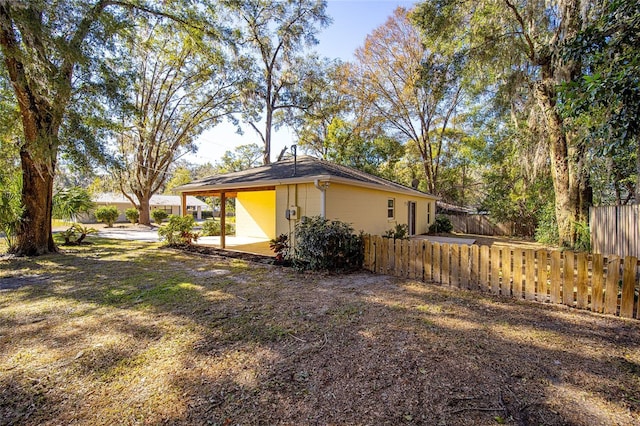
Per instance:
x=178, y=231
x=159, y=215
x=132, y=214
x=400, y=232
x=210, y=228
x=77, y=231
x=280, y=246
x=10, y=209
x=547, y=228
x=328, y=245
x=442, y=224
x=229, y=229
x=583, y=237
x=107, y=214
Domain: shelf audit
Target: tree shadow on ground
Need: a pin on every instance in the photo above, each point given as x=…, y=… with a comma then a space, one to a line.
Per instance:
x=185, y=340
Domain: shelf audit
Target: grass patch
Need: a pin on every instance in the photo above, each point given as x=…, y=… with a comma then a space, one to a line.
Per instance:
x=123, y=332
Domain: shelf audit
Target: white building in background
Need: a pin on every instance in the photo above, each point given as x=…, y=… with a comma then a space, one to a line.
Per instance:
x=168, y=203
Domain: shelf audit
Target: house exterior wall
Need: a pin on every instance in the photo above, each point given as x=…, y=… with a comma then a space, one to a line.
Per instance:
x=305, y=196
x=255, y=214
x=365, y=209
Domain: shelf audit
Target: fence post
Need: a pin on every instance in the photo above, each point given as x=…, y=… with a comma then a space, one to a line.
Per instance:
x=505, y=288
x=405, y=258
x=611, y=292
x=582, y=284
x=530, y=274
x=427, y=260
x=474, y=267
x=483, y=273
x=628, y=286
x=379, y=260
x=568, y=278
x=437, y=260
x=445, y=273
x=397, y=258
x=454, y=272
x=465, y=279
x=495, y=270
x=517, y=274
x=413, y=265
x=542, y=287
x=556, y=277
x=597, y=288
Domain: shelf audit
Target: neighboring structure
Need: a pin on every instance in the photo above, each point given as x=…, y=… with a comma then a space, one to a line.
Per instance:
x=271, y=199
x=169, y=203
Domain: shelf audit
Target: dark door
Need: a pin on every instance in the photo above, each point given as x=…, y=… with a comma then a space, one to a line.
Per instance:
x=412, y=218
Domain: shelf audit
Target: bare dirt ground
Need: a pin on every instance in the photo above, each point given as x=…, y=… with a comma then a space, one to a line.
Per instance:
x=122, y=332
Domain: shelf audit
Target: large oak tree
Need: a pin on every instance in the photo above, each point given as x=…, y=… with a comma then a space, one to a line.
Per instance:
x=519, y=44
x=182, y=84
x=44, y=45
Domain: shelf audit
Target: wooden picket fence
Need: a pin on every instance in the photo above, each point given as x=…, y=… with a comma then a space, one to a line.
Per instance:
x=605, y=284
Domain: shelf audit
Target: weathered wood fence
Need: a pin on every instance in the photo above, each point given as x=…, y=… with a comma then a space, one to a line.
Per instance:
x=606, y=284
x=479, y=224
x=615, y=229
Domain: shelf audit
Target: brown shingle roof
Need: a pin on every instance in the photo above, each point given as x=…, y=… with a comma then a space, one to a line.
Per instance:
x=306, y=169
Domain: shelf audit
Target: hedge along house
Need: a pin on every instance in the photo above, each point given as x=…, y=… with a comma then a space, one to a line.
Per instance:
x=271, y=199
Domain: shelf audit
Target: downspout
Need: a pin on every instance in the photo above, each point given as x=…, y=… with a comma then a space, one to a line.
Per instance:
x=323, y=196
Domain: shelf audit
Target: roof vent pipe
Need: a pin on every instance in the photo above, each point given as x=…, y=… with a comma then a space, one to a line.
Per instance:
x=294, y=151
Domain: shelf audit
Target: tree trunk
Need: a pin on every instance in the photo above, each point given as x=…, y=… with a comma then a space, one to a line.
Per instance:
x=566, y=187
x=34, y=236
x=266, y=159
x=145, y=217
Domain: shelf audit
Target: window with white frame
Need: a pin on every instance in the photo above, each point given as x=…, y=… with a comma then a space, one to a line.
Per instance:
x=391, y=208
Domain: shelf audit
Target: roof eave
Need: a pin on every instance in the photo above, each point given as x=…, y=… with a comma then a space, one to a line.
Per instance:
x=301, y=180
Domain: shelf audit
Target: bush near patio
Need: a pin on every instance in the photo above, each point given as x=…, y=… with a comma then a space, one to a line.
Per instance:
x=179, y=231
x=442, y=224
x=327, y=245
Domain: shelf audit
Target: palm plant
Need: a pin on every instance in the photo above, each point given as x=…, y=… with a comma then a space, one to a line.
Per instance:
x=68, y=203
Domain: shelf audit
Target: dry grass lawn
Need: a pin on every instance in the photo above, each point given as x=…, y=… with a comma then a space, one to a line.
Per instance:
x=121, y=332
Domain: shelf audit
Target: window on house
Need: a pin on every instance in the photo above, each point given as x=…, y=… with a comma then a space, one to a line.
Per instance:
x=391, y=203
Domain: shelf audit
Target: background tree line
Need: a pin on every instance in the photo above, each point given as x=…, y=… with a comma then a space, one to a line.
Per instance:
x=525, y=109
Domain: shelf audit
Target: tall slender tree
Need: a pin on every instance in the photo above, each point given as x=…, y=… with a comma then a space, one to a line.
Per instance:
x=275, y=34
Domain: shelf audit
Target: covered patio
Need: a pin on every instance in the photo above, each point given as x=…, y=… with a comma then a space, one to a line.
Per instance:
x=255, y=219
x=251, y=245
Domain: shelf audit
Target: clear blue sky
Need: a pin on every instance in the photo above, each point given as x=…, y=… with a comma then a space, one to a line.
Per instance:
x=353, y=20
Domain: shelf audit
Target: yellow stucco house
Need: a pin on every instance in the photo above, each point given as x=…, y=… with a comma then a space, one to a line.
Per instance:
x=271, y=199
